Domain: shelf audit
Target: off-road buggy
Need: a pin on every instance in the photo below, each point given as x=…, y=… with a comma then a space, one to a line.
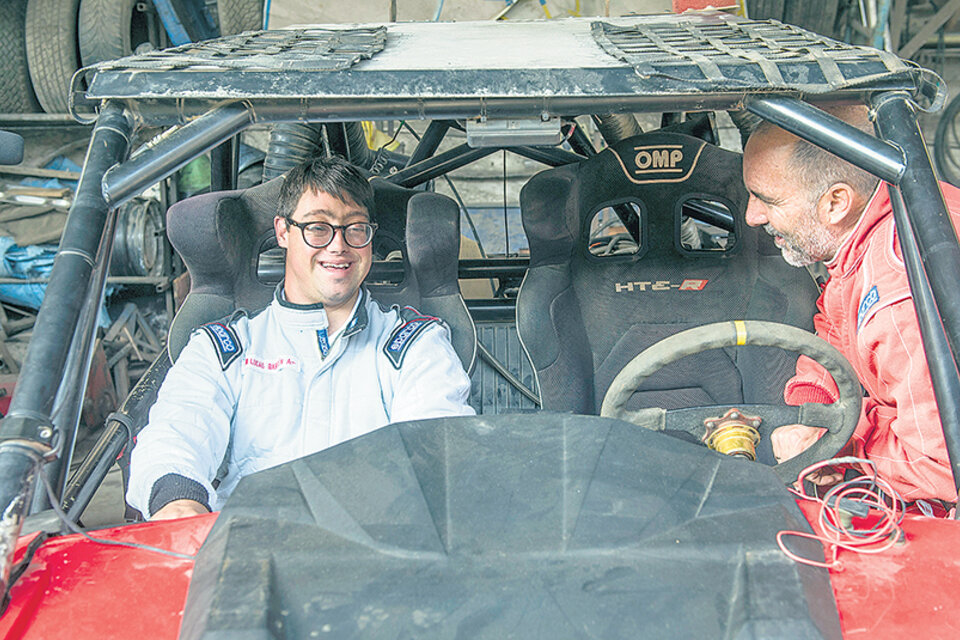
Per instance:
x=536, y=518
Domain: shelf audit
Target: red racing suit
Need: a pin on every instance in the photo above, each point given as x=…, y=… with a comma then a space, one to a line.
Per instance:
x=866, y=311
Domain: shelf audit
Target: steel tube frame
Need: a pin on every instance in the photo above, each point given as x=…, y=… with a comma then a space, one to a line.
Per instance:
x=550, y=156
x=429, y=141
x=579, y=141
x=943, y=369
x=68, y=404
x=925, y=221
x=173, y=151
x=224, y=163
x=44, y=364
x=438, y=165
x=96, y=464
x=114, y=439
x=926, y=210
x=27, y=434
x=880, y=158
x=331, y=109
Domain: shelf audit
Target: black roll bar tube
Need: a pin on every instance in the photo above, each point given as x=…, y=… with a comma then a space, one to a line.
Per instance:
x=224, y=164
x=429, y=141
x=926, y=210
x=121, y=428
x=579, y=141
x=924, y=220
x=437, y=165
x=69, y=401
x=173, y=151
x=550, y=156
x=27, y=434
x=943, y=369
x=880, y=158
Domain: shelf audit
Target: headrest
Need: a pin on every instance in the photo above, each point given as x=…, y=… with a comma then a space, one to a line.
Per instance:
x=657, y=171
x=219, y=236
x=433, y=239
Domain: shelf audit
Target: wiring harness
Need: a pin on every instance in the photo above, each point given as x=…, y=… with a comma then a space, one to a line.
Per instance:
x=862, y=515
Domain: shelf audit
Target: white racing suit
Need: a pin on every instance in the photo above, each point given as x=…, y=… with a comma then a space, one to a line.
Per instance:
x=253, y=393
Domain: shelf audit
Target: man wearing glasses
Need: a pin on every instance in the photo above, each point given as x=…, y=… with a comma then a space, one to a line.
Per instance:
x=323, y=363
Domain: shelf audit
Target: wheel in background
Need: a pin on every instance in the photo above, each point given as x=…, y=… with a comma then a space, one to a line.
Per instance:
x=237, y=16
x=16, y=90
x=110, y=29
x=52, y=54
x=822, y=17
x=946, y=146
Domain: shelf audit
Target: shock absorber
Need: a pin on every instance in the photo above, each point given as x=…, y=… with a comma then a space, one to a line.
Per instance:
x=733, y=434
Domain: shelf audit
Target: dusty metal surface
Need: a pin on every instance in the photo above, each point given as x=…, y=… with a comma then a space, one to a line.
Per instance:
x=471, y=69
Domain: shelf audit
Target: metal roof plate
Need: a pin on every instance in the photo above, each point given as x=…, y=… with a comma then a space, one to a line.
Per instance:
x=577, y=60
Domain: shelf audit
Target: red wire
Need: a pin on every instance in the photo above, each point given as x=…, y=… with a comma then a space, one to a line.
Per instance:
x=885, y=533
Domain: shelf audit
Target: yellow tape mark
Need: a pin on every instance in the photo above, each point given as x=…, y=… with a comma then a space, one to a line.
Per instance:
x=741, y=332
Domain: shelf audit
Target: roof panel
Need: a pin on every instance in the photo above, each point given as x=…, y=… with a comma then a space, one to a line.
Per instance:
x=636, y=59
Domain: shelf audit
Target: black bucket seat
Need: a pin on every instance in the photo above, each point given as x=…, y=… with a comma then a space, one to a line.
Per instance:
x=223, y=238
x=581, y=316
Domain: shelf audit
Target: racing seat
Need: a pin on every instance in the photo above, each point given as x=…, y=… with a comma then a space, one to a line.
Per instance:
x=222, y=236
x=581, y=317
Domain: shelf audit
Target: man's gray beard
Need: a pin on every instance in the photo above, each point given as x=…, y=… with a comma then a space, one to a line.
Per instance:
x=816, y=246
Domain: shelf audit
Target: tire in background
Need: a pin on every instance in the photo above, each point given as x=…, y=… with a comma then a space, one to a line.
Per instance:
x=109, y=29
x=52, y=53
x=237, y=16
x=16, y=90
x=819, y=17
x=946, y=146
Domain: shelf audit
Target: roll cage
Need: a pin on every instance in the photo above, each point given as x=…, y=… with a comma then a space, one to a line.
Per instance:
x=535, y=74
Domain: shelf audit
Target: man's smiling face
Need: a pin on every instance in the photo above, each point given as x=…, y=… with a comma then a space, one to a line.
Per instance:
x=331, y=275
x=780, y=205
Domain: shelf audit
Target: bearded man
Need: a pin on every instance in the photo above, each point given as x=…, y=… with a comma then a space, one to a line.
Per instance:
x=820, y=208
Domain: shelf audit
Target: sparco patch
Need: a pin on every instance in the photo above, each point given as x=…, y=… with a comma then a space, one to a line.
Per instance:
x=872, y=298
x=323, y=342
x=403, y=336
x=225, y=341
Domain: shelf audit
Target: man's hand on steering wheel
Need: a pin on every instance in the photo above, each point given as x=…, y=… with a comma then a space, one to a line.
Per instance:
x=800, y=445
x=791, y=440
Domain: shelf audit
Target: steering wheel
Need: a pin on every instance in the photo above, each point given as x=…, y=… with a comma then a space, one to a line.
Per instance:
x=840, y=418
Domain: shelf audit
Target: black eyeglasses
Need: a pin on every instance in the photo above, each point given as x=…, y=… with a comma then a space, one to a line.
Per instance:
x=320, y=234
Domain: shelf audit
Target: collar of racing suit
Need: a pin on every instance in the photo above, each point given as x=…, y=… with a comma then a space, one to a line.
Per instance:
x=855, y=244
x=314, y=316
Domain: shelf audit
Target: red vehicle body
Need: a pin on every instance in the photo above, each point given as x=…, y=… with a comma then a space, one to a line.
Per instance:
x=908, y=590
x=513, y=87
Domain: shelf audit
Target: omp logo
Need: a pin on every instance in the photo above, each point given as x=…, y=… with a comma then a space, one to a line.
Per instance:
x=659, y=159
x=690, y=284
x=673, y=160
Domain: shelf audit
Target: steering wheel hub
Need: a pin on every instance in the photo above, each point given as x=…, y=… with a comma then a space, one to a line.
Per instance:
x=733, y=434
x=839, y=419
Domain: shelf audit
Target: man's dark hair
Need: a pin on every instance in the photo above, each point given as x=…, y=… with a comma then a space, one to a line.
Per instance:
x=332, y=175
